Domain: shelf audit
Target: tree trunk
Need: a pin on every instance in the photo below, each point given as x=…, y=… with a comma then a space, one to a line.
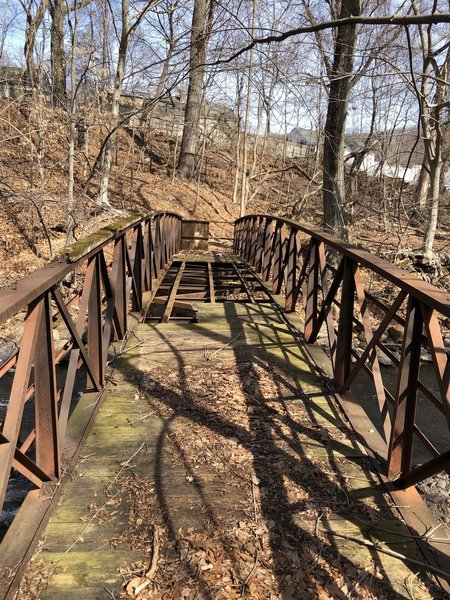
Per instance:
x=201, y=27
x=435, y=176
x=334, y=213
x=58, y=56
x=423, y=184
x=245, y=175
x=170, y=39
x=32, y=26
x=106, y=161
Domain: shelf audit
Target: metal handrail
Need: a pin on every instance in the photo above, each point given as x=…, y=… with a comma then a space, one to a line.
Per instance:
x=114, y=267
x=329, y=276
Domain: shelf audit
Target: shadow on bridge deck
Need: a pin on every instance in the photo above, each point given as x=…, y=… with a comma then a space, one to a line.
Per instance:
x=218, y=445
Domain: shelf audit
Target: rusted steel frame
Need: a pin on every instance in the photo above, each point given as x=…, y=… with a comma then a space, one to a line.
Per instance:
x=173, y=294
x=372, y=354
x=397, y=318
x=27, y=442
x=304, y=258
x=425, y=292
x=328, y=296
x=358, y=326
x=94, y=323
x=259, y=246
x=278, y=261
x=242, y=237
x=432, y=467
x=267, y=250
x=327, y=303
x=13, y=418
x=366, y=368
x=154, y=261
x=75, y=335
x=247, y=240
x=344, y=340
x=240, y=232
x=9, y=363
x=18, y=296
x=425, y=441
x=325, y=285
x=136, y=264
x=39, y=325
x=45, y=395
x=253, y=237
x=311, y=291
x=133, y=279
x=258, y=249
x=236, y=229
x=78, y=349
x=26, y=467
x=164, y=253
x=290, y=272
x=118, y=284
x=157, y=248
x=250, y=258
x=401, y=439
x=63, y=351
x=375, y=338
x=440, y=360
x=212, y=295
x=110, y=317
x=148, y=250
x=244, y=283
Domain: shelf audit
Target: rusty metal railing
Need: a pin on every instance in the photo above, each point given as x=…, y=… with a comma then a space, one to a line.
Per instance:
x=112, y=269
x=347, y=291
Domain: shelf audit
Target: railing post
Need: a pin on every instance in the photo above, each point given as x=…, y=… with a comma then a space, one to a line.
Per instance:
x=400, y=444
x=164, y=246
x=11, y=425
x=267, y=250
x=255, y=242
x=148, y=255
x=344, y=340
x=46, y=395
x=260, y=245
x=94, y=328
x=312, y=290
x=136, y=265
x=157, y=249
x=290, y=272
x=277, y=267
x=119, y=287
x=248, y=238
x=240, y=237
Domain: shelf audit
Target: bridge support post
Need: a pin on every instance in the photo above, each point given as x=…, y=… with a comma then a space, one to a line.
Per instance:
x=400, y=444
x=46, y=396
x=345, y=327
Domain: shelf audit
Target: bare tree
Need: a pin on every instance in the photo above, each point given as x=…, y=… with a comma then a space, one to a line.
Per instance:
x=202, y=18
x=334, y=215
x=128, y=27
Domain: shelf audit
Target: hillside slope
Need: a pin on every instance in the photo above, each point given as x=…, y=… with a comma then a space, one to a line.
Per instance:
x=34, y=189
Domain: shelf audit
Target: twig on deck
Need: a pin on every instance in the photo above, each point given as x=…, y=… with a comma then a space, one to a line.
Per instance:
x=380, y=548
x=247, y=579
x=223, y=347
x=124, y=465
x=153, y=565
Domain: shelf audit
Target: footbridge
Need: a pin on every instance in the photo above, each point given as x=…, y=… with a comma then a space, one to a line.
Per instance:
x=185, y=421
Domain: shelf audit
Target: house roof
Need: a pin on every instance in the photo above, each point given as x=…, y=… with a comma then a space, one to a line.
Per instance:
x=307, y=137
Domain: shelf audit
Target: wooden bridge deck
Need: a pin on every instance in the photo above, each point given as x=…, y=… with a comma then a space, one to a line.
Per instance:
x=217, y=447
